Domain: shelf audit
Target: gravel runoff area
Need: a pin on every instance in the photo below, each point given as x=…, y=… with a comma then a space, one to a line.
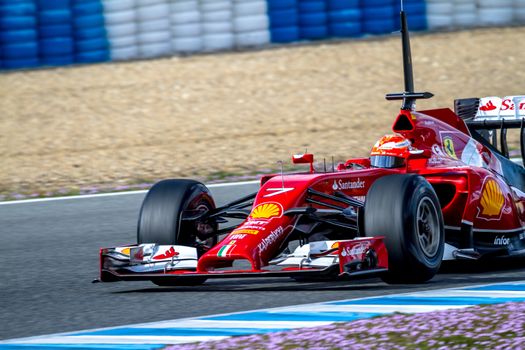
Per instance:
x=214, y=116
x=480, y=327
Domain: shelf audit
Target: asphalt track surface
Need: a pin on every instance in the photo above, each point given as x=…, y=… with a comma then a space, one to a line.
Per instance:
x=49, y=256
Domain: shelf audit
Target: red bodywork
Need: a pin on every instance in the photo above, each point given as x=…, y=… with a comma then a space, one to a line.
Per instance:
x=478, y=206
x=468, y=193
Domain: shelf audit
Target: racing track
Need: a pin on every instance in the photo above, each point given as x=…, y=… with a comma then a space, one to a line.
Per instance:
x=49, y=255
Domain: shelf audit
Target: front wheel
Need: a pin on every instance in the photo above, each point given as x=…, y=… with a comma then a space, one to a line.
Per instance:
x=160, y=220
x=406, y=211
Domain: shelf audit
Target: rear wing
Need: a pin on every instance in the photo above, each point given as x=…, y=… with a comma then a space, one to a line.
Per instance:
x=486, y=115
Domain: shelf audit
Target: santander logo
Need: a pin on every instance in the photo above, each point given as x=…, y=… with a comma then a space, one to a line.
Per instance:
x=488, y=107
x=167, y=254
x=508, y=105
x=348, y=185
x=502, y=107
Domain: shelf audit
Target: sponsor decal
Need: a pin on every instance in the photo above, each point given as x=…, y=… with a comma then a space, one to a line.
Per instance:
x=488, y=107
x=428, y=123
x=437, y=155
x=124, y=251
x=348, y=185
x=252, y=227
x=437, y=150
x=170, y=253
x=267, y=211
x=356, y=251
x=277, y=191
x=492, y=199
x=501, y=240
x=245, y=231
x=236, y=236
x=448, y=146
x=272, y=238
x=392, y=144
x=508, y=105
x=226, y=249
x=435, y=160
x=359, y=198
x=493, y=107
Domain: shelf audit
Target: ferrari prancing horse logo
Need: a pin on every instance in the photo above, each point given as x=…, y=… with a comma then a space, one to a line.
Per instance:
x=448, y=145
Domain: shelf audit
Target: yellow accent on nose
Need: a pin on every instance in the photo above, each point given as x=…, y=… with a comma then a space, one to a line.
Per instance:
x=266, y=211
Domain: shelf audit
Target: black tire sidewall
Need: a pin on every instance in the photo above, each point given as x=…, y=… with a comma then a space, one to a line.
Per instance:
x=160, y=214
x=421, y=191
x=391, y=211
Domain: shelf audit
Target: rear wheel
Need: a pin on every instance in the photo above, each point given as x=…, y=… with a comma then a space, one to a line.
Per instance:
x=160, y=218
x=405, y=209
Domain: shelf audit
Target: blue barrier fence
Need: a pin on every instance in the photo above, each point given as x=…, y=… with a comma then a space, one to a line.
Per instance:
x=61, y=32
x=51, y=33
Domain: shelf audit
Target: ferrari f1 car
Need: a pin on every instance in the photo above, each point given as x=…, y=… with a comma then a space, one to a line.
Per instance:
x=440, y=188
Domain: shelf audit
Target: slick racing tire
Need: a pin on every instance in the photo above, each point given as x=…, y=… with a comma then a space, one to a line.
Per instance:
x=406, y=211
x=160, y=218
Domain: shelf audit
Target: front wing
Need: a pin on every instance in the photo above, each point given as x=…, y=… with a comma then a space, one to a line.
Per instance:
x=178, y=264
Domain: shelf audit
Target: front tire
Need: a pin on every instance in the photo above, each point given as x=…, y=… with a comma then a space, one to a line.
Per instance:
x=406, y=211
x=160, y=220
x=160, y=216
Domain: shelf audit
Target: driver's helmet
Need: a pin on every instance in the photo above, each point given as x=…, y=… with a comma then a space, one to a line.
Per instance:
x=390, y=151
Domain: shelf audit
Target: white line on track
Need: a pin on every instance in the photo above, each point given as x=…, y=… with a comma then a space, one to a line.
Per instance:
x=112, y=194
x=77, y=338
x=107, y=340
x=372, y=308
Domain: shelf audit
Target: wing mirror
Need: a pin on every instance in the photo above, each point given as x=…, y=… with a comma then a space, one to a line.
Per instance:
x=305, y=158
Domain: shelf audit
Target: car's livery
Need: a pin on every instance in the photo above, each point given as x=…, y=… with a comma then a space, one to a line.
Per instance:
x=437, y=189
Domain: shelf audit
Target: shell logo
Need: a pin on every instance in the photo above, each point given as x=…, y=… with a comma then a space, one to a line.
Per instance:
x=267, y=211
x=125, y=251
x=492, y=199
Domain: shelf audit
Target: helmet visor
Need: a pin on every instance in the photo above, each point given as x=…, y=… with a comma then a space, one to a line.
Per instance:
x=386, y=161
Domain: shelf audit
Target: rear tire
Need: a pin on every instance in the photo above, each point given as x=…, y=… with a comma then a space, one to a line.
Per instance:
x=405, y=209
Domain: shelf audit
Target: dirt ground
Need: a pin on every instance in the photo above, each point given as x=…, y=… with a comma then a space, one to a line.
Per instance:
x=211, y=116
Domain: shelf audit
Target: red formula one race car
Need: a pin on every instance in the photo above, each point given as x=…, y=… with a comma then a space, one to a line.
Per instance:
x=438, y=189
